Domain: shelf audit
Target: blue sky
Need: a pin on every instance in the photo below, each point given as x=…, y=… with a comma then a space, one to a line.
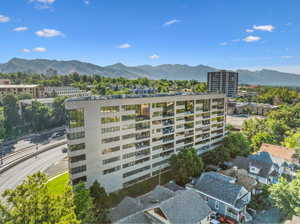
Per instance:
x=221, y=33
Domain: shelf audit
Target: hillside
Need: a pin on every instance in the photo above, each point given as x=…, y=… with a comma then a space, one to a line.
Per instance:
x=165, y=71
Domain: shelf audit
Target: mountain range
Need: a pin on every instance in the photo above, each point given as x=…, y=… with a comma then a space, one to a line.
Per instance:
x=165, y=71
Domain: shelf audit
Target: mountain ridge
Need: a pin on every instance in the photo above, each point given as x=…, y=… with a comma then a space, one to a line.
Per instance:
x=163, y=71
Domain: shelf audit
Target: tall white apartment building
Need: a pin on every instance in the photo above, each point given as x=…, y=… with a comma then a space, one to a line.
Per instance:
x=223, y=82
x=121, y=140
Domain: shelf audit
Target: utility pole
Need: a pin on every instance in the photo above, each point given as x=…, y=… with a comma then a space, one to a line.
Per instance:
x=1, y=152
x=36, y=150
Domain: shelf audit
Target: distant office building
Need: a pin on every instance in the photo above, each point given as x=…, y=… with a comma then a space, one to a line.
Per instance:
x=223, y=82
x=5, y=82
x=33, y=90
x=121, y=140
x=68, y=91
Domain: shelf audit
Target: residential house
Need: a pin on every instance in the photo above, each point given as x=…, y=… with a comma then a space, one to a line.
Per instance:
x=242, y=178
x=162, y=206
x=282, y=157
x=264, y=172
x=223, y=195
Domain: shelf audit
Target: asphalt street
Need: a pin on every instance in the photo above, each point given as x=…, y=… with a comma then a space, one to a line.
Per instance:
x=14, y=176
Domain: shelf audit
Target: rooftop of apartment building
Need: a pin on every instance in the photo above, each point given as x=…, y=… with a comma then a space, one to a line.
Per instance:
x=135, y=96
x=18, y=86
x=223, y=71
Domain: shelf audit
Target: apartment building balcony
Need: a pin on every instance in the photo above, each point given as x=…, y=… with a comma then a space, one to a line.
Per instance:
x=180, y=106
x=156, y=109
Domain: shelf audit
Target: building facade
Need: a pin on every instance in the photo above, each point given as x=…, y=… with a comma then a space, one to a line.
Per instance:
x=33, y=90
x=223, y=82
x=67, y=91
x=121, y=140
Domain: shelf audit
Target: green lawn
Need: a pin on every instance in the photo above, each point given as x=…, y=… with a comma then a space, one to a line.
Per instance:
x=56, y=185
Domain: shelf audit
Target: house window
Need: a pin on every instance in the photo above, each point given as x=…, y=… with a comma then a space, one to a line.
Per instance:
x=217, y=205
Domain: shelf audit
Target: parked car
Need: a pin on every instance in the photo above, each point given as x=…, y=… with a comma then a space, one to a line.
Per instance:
x=57, y=134
x=64, y=150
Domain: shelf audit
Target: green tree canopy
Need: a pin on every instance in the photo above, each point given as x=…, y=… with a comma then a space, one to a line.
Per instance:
x=100, y=201
x=286, y=195
x=186, y=164
x=31, y=203
x=83, y=204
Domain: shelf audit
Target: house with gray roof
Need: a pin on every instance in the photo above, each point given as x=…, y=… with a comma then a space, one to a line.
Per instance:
x=223, y=195
x=263, y=171
x=163, y=206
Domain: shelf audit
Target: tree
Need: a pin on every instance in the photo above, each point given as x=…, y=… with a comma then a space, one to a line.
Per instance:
x=31, y=202
x=59, y=111
x=38, y=115
x=186, y=164
x=286, y=195
x=83, y=204
x=260, y=138
x=293, y=140
x=100, y=202
x=11, y=113
x=236, y=144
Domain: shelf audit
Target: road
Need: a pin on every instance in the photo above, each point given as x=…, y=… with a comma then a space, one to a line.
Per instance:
x=14, y=176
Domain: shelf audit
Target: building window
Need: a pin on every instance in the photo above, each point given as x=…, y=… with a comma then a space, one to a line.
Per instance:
x=130, y=173
x=111, y=170
x=77, y=147
x=78, y=169
x=111, y=160
x=112, y=139
x=217, y=205
x=78, y=180
x=110, y=129
x=76, y=135
x=110, y=109
x=75, y=159
x=106, y=120
x=76, y=118
x=109, y=150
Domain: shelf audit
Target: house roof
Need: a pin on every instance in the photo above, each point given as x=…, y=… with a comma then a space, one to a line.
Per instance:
x=246, y=162
x=220, y=186
x=184, y=206
x=173, y=187
x=241, y=178
x=279, y=151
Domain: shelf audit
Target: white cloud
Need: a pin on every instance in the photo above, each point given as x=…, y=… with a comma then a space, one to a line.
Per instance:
x=287, y=57
x=21, y=28
x=4, y=19
x=250, y=39
x=87, y=2
x=123, y=46
x=170, y=22
x=25, y=50
x=154, y=56
x=39, y=49
x=49, y=33
x=249, y=30
x=268, y=28
x=44, y=1
x=223, y=43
